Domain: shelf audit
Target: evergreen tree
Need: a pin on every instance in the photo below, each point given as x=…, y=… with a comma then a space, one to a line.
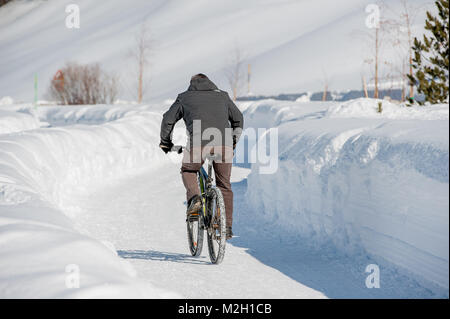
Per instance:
x=431, y=57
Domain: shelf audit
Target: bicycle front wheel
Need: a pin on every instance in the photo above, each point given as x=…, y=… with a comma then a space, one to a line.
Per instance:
x=217, y=225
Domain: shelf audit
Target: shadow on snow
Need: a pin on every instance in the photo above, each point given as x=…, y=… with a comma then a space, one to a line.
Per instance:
x=161, y=256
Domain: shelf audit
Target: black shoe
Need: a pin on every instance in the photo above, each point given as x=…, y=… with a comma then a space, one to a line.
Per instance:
x=229, y=233
x=194, y=208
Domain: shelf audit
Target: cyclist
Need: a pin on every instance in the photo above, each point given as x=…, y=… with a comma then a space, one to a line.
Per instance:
x=206, y=111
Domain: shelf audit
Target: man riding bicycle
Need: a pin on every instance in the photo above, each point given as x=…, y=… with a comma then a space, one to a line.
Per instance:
x=214, y=124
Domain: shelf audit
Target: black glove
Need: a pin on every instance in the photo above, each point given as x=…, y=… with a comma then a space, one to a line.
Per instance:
x=166, y=147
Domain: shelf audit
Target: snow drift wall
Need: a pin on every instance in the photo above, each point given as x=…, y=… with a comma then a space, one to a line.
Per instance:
x=39, y=169
x=365, y=184
x=11, y=122
x=54, y=162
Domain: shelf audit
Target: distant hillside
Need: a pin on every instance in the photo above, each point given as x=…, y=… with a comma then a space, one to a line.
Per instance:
x=289, y=44
x=395, y=94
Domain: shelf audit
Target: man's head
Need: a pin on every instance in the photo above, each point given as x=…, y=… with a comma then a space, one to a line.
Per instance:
x=201, y=82
x=198, y=77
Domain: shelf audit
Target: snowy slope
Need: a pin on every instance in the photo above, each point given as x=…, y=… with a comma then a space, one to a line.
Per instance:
x=363, y=182
x=294, y=42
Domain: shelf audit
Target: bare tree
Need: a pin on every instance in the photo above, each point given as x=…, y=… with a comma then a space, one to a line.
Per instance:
x=77, y=84
x=141, y=56
x=375, y=35
x=325, y=92
x=404, y=38
x=377, y=39
x=377, y=56
x=234, y=72
x=395, y=29
x=109, y=89
x=408, y=17
x=364, y=84
x=325, y=84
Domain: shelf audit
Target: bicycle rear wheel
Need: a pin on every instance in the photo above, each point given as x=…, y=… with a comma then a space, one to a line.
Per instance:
x=195, y=233
x=195, y=228
x=217, y=225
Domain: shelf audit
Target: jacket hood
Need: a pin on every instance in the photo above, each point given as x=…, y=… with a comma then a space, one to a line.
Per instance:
x=202, y=85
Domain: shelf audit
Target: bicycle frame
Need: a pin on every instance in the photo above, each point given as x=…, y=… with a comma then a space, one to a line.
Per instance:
x=205, y=183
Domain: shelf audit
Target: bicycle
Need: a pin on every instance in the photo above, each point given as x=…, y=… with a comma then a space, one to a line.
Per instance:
x=212, y=217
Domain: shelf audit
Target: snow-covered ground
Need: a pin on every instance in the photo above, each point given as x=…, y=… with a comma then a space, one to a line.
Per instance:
x=292, y=46
x=90, y=189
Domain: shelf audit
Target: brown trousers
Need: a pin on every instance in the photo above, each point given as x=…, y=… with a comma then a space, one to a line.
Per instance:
x=193, y=161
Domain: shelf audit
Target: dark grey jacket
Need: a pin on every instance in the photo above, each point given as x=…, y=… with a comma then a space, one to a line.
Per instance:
x=203, y=101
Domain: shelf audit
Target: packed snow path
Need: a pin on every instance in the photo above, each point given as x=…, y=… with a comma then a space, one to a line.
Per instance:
x=143, y=217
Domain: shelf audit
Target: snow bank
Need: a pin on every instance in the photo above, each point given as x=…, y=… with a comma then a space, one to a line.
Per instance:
x=6, y=100
x=86, y=114
x=368, y=108
x=362, y=182
x=95, y=114
x=271, y=113
x=11, y=122
x=39, y=170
